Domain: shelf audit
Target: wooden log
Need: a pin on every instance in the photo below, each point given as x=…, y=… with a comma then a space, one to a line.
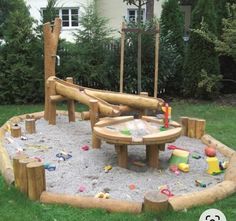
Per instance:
x=15, y=131
x=57, y=98
x=22, y=173
x=184, y=123
x=161, y=147
x=143, y=112
x=16, y=168
x=36, y=180
x=122, y=52
x=85, y=115
x=51, y=37
x=122, y=155
x=5, y=165
x=191, y=127
x=94, y=118
x=71, y=104
x=134, y=101
x=52, y=105
x=222, y=148
x=73, y=92
x=157, y=43
x=204, y=197
x=110, y=205
x=155, y=201
x=230, y=173
x=200, y=128
x=153, y=156
x=30, y=125
x=96, y=142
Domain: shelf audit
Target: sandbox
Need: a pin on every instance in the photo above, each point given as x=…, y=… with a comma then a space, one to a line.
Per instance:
x=82, y=176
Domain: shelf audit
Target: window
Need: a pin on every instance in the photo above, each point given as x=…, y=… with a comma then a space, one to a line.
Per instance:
x=133, y=15
x=69, y=16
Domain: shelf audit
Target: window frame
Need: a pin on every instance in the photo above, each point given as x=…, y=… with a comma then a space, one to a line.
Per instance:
x=136, y=14
x=70, y=16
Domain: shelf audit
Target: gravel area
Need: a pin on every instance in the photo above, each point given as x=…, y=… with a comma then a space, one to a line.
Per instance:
x=83, y=173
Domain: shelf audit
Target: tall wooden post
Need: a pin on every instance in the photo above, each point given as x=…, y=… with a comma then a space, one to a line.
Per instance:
x=71, y=104
x=94, y=118
x=51, y=37
x=122, y=52
x=156, y=59
x=52, y=104
x=139, y=62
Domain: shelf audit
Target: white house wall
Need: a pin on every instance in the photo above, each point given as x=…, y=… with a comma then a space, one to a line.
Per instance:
x=116, y=11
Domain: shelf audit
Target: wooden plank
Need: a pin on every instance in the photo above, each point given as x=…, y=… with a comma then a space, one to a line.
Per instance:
x=112, y=121
x=191, y=127
x=200, y=128
x=184, y=123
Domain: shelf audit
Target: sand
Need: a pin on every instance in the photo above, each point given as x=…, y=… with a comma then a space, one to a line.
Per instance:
x=83, y=173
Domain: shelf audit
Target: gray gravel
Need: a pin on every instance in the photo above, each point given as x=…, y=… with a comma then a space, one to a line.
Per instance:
x=85, y=169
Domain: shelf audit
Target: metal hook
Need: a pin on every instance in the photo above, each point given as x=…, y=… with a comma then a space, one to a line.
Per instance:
x=58, y=59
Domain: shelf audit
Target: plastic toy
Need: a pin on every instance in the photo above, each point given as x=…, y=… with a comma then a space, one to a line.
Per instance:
x=210, y=151
x=213, y=166
x=200, y=183
x=183, y=167
x=179, y=156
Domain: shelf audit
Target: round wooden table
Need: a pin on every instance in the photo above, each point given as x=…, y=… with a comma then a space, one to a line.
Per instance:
x=149, y=131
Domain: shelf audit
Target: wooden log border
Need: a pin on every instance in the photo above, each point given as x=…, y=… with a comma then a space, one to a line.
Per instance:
x=176, y=203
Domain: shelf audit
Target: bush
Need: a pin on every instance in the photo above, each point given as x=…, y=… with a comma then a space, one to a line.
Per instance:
x=201, y=54
x=21, y=59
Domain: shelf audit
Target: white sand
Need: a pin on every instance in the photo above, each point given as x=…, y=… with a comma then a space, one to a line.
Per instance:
x=86, y=168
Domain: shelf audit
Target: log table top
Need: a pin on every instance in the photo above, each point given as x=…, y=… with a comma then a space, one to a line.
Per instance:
x=125, y=130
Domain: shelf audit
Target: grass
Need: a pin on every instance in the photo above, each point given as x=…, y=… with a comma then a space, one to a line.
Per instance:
x=221, y=124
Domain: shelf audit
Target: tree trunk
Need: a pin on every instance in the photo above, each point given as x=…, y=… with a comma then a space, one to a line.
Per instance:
x=150, y=9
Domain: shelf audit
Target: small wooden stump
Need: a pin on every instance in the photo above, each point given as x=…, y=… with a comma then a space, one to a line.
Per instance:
x=122, y=155
x=23, y=176
x=85, y=115
x=191, y=127
x=184, y=123
x=36, y=180
x=30, y=125
x=16, y=131
x=155, y=201
x=200, y=128
x=16, y=166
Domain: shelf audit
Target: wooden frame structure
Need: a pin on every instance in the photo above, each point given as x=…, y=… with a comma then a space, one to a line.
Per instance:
x=124, y=30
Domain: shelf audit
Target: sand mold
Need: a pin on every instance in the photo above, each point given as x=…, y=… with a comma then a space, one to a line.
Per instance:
x=86, y=168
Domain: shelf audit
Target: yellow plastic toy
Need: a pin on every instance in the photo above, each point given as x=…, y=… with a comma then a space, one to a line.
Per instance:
x=184, y=167
x=213, y=165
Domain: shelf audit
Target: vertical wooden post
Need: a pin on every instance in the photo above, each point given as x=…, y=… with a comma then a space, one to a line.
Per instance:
x=71, y=104
x=51, y=37
x=23, y=183
x=16, y=166
x=139, y=61
x=52, y=105
x=156, y=59
x=184, y=123
x=122, y=155
x=200, y=128
x=30, y=125
x=153, y=156
x=145, y=111
x=94, y=118
x=15, y=131
x=191, y=127
x=36, y=180
x=122, y=52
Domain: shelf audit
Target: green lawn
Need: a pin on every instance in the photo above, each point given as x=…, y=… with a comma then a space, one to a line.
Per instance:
x=221, y=123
